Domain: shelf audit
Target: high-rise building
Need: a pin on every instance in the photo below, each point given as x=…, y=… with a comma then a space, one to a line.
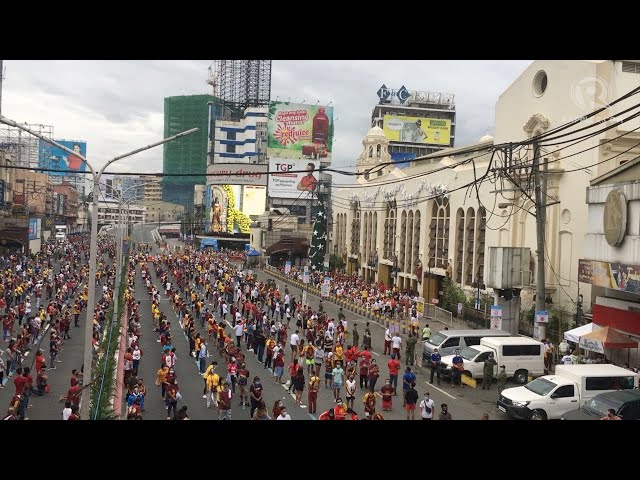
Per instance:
x=187, y=155
x=142, y=188
x=416, y=123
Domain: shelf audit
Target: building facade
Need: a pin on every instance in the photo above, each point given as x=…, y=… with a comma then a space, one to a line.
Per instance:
x=611, y=262
x=162, y=212
x=188, y=156
x=414, y=226
x=108, y=213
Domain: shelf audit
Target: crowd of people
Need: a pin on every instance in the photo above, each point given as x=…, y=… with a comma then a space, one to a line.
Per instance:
x=46, y=293
x=238, y=315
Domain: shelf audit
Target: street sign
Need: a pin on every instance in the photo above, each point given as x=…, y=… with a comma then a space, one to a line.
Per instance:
x=496, y=317
x=305, y=277
x=287, y=267
x=468, y=381
x=304, y=297
x=542, y=316
x=459, y=309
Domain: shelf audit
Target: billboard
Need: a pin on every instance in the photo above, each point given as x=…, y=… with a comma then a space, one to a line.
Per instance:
x=300, y=131
x=35, y=227
x=284, y=182
x=403, y=159
x=216, y=206
x=254, y=200
x=237, y=174
x=50, y=156
x=434, y=131
x=617, y=276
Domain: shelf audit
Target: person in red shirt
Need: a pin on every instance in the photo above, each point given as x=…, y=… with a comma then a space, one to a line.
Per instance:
x=387, y=392
x=366, y=353
x=40, y=361
x=394, y=366
x=364, y=372
x=74, y=413
x=73, y=395
x=328, y=415
x=20, y=382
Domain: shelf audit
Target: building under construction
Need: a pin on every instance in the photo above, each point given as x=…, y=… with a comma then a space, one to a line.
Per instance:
x=240, y=84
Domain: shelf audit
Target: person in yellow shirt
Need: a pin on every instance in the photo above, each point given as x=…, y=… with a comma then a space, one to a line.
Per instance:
x=339, y=354
x=161, y=378
x=211, y=383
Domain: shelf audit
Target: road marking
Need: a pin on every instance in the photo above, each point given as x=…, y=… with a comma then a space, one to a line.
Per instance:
x=441, y=391
x=375, y=353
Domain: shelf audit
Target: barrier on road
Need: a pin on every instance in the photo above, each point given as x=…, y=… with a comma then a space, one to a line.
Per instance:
x=438, y=314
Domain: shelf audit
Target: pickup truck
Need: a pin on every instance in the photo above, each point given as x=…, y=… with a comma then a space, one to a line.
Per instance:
x=550, y=396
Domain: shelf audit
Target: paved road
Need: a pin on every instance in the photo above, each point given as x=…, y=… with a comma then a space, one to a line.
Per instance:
x=463, y=403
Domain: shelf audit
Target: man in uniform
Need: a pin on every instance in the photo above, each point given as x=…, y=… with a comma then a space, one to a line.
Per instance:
x=411, y=345
x=355, y=335
x=487, y=371
x=502, y=379
x=435, y=365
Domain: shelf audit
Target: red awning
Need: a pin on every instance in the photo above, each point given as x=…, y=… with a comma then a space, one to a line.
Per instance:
x=622, y=320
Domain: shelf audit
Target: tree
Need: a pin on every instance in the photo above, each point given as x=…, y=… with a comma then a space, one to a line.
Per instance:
x=336, y=263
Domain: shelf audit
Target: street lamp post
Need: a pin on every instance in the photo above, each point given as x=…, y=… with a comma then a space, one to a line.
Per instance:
x=93, y=252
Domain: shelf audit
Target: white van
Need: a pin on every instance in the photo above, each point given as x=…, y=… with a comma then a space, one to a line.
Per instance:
x=521, y=356
x=550, y=396
x=448, y=341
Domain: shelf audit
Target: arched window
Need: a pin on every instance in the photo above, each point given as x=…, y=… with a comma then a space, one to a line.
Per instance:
x=370, y=152
x=403, y=240
x=480, y=237
x=439, y=234
x=378, y=149
x=459, y=251
x=469, y=250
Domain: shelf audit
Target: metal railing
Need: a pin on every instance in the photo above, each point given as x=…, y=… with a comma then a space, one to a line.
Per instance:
x=438, y=314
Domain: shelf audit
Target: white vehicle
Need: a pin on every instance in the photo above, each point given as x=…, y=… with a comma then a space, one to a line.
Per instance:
x=550, y=396
x=447, y=341
x=521, y=356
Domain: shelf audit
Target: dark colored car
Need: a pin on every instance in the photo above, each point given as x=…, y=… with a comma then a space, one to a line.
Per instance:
x=626, y=403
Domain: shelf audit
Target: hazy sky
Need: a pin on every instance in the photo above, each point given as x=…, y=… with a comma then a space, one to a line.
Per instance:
x=117, y=106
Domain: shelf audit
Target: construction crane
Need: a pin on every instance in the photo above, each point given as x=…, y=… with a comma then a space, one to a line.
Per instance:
x=213, y=80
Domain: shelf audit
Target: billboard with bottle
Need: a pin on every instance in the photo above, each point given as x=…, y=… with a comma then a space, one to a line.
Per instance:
x=298, y=131
x=50, y=156
x=434, y=131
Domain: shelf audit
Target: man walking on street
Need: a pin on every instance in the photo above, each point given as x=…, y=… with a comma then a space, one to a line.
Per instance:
x=426, y=333
x=411, y=345
x=410, y=400
x=355, y=335
x=394, y=367
x=487, y=371
x=387, y=341
x=396, y=343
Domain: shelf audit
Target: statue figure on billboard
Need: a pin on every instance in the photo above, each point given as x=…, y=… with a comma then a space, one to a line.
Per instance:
x=216, y=210
x=308, y=182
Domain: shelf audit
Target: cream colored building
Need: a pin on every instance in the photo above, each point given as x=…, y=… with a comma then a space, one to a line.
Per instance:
x=392, y=222
x=162, y=212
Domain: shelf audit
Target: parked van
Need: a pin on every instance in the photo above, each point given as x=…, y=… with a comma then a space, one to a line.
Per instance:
x=521, y=356
x=550, y=396
x=447, y=341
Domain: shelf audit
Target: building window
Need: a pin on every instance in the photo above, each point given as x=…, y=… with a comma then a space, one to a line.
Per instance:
x=370, y=152
x=231, y=148
x=439, y=234
x=378, y=148
x=231, y=135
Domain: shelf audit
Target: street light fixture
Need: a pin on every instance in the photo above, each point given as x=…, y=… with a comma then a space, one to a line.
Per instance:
x=93, y=252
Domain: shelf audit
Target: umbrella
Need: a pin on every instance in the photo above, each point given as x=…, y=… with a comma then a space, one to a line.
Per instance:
x=254, y=253
x=575, y=334
x=606, y=337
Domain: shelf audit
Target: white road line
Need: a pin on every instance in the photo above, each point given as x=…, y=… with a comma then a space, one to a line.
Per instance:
x=293, y=395
x=441, y=391
x=375, y=353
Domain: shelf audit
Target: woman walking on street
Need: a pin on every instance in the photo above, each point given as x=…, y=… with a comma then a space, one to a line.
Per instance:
x=298, y=385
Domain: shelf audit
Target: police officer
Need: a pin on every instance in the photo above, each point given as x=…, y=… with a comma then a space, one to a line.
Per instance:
x=366, y=341
x=435, y=365
x=411, y=345
x=487, y=371
x=502, y=379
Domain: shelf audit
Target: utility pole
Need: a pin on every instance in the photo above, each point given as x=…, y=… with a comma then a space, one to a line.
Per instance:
x=540, y=225
x=1, y=79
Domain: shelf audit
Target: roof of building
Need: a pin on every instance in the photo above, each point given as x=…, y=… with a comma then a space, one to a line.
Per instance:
x=375, y=132
x=610, y=177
